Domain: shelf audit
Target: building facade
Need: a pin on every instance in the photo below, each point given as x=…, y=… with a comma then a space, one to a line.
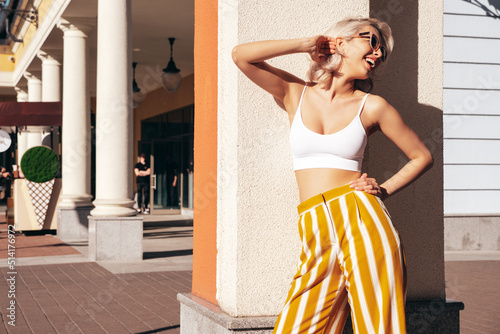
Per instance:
x=471, y=97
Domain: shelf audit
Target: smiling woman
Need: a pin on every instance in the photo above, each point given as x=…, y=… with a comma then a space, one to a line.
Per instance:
x=351, y=252
x=379, y=37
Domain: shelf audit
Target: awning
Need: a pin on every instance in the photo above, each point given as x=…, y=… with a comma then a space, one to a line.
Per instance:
x=30, y=113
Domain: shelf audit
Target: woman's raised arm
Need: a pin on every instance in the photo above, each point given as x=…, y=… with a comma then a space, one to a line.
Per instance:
x=250, y=59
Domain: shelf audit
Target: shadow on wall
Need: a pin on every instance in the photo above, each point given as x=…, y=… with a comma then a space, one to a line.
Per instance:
x=495, y=3
x=417, y=211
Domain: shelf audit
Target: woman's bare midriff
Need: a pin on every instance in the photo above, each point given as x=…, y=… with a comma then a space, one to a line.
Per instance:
x=318, y=180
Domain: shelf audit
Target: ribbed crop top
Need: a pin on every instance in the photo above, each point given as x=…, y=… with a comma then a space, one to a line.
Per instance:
x=341, y=150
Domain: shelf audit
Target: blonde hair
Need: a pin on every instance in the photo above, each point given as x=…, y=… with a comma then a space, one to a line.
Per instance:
x=323, y=71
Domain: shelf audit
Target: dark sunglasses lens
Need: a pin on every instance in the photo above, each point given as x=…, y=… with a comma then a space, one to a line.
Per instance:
x=384, y=53
x=374, y=42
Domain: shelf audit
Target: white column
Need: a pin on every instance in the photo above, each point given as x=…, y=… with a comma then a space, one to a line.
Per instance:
x=21, y=94
x=76, y=139
x=22, y=137
x=34, y=87
x=51, y=77
x=34, y=136
x=51, y=91
x=22, y=145
x=114, y=128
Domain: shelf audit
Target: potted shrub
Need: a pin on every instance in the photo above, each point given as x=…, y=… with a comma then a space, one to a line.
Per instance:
x=40, y=166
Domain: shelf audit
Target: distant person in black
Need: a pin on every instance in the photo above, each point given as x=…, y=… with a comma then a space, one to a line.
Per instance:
x=171, y=183
x=142, y=173
x=5, y=180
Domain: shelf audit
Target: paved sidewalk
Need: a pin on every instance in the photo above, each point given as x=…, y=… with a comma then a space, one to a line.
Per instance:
x=57, y=290
x=64, y=293
x=86, y=298
x=477, y=285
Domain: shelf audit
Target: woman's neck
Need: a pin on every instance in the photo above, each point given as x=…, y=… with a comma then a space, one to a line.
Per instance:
x=340, y=87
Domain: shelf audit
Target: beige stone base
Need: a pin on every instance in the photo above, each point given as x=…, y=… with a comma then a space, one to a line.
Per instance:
x=73, y=223
x=201, y=317
x=472, y=233
x=115, y=238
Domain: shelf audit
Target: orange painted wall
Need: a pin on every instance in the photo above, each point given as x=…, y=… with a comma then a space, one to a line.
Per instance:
x=205, y=150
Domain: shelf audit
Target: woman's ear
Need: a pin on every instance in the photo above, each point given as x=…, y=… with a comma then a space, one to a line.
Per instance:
x=340, y=44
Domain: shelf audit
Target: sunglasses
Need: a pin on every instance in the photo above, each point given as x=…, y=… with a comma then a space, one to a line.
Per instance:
x=374, y=43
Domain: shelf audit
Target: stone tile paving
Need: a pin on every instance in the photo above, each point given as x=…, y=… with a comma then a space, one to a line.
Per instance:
x=86, y=298
x=32, y=245
x=477, y=285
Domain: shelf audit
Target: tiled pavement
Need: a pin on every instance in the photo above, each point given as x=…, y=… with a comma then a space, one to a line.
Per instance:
x=41, y=245
x=86, y=298
x=54, y=296
x=477, y=285
x=58, y=291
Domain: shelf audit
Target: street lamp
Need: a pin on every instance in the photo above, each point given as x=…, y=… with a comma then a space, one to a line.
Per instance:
x=137, y=96
x=171, y=79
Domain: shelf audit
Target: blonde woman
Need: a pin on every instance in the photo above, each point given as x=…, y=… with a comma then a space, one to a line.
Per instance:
x=352, y=258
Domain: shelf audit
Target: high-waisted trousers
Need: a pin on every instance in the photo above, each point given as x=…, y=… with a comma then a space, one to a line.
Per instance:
x=352, y=259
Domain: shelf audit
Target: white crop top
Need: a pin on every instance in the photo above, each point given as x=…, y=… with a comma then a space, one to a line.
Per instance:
x=341, y=150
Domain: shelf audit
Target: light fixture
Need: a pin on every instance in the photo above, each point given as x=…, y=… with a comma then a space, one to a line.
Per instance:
x=6, y=10
x=171, y=79
x=30, y=15
x=137, y=96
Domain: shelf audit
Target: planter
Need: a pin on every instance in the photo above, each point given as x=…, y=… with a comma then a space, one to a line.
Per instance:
x=24, y=213
x=40, y=166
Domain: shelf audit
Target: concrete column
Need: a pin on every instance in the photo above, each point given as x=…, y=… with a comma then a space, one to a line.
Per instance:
x=75, y=204
x=243, y=288
x=114, y=127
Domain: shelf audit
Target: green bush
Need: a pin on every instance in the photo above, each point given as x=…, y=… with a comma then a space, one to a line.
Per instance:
x=39, y=164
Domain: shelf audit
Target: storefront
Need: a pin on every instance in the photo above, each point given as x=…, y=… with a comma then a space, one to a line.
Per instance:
x=167, y=140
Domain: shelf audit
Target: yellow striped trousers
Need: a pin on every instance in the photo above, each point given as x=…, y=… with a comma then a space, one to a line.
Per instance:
x=351, y=259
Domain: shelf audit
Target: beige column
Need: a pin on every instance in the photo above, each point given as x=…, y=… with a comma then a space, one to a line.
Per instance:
x=252, y=221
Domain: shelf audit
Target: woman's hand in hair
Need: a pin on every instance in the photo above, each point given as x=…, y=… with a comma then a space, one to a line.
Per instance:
x=323, y=46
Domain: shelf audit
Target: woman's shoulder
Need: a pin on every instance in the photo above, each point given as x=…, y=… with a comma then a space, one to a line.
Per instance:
x=293, y=96
x=376, y=104
x=377, y=109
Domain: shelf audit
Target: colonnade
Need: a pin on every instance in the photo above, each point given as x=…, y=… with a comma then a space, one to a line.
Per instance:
x=113, y=205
